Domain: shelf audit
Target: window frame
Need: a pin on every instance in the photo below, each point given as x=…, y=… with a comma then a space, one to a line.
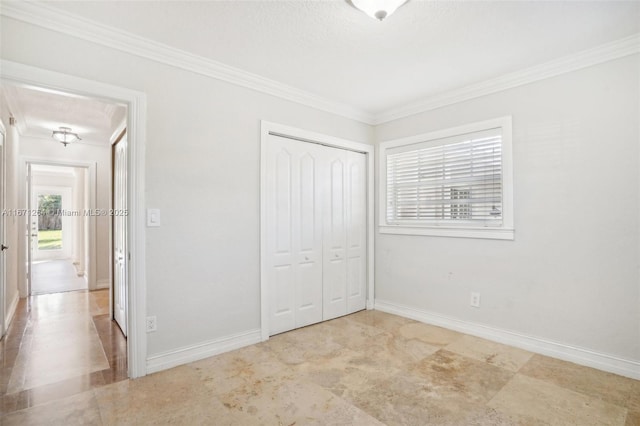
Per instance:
x=465, y=230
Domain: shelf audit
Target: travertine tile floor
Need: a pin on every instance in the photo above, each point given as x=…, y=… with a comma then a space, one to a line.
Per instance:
x=368, y=368
x=61, y=345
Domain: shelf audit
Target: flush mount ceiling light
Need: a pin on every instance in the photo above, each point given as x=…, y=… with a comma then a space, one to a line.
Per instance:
x=65, y=136
x=378, y=9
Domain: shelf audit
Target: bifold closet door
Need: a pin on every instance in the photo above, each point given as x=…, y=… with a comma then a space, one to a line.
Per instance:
x=294, y=233
x=316, y=233
x=356, y=231
x=344, y=240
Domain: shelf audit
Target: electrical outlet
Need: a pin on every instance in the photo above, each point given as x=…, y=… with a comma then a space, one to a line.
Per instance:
x=151, y=324
x=475, y=299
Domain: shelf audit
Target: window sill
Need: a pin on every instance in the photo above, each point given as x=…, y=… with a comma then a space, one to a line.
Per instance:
x=485, y=233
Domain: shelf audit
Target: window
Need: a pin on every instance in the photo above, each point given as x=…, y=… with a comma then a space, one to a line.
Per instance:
x=455, y=182
x=49, y=222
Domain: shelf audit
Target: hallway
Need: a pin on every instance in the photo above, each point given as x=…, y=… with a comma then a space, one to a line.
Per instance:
x=66, y=344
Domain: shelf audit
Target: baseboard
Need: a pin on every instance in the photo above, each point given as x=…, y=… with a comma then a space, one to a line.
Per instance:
x=203, y=350
x=586, y=357
x=100, y=284
x=11, y=311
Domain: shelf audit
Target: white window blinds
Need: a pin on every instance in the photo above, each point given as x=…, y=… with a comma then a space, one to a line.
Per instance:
x=452, y=181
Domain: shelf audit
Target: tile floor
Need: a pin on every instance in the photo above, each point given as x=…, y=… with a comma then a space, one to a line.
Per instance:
x=369, y=368
x=54, y=276
x=63, y=345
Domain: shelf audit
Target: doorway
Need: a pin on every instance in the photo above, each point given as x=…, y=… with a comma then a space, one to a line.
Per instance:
x=59, y=229
x=70, y=332
x=60, y=241
x=53, y=82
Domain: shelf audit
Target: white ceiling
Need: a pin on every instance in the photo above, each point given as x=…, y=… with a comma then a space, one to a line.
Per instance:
x=39, y=113
x=330, y=49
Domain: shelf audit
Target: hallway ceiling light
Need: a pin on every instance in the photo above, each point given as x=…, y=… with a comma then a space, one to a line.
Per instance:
x=378, y=9
x=65, y=136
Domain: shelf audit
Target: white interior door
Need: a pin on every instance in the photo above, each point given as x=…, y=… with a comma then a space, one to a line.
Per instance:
x=120, y=251
x=335, y=234
x=356, y=213
x=316, y=232
x=345, y=204
x=294, y=234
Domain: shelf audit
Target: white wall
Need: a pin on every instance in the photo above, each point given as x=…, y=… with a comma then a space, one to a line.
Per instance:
x=571, y=275
x=82, y=153
x=202, y=171
x=568, y=277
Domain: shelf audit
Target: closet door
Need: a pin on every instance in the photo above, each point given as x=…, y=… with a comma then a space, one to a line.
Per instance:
x=294, y=233
x=335, y=233
x=356, y=220
x=344, y=262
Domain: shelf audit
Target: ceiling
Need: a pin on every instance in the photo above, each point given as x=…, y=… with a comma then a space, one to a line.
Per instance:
x=38, y=113
x=332, y=50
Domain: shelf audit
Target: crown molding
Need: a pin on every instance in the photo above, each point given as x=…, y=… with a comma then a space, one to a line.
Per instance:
x=48, y=17
x=599, y=54
x=45, y=16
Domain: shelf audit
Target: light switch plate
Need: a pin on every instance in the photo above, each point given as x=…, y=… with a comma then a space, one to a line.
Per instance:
x=153, y=217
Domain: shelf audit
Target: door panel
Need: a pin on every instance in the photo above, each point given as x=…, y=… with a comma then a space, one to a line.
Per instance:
x=283, y=203
x=356, y=231
x=308, y=246
x=335, y=267
x=283, y=294
x=308, y=205
x=282, y=268
x=120, y=250
x=294, y=235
